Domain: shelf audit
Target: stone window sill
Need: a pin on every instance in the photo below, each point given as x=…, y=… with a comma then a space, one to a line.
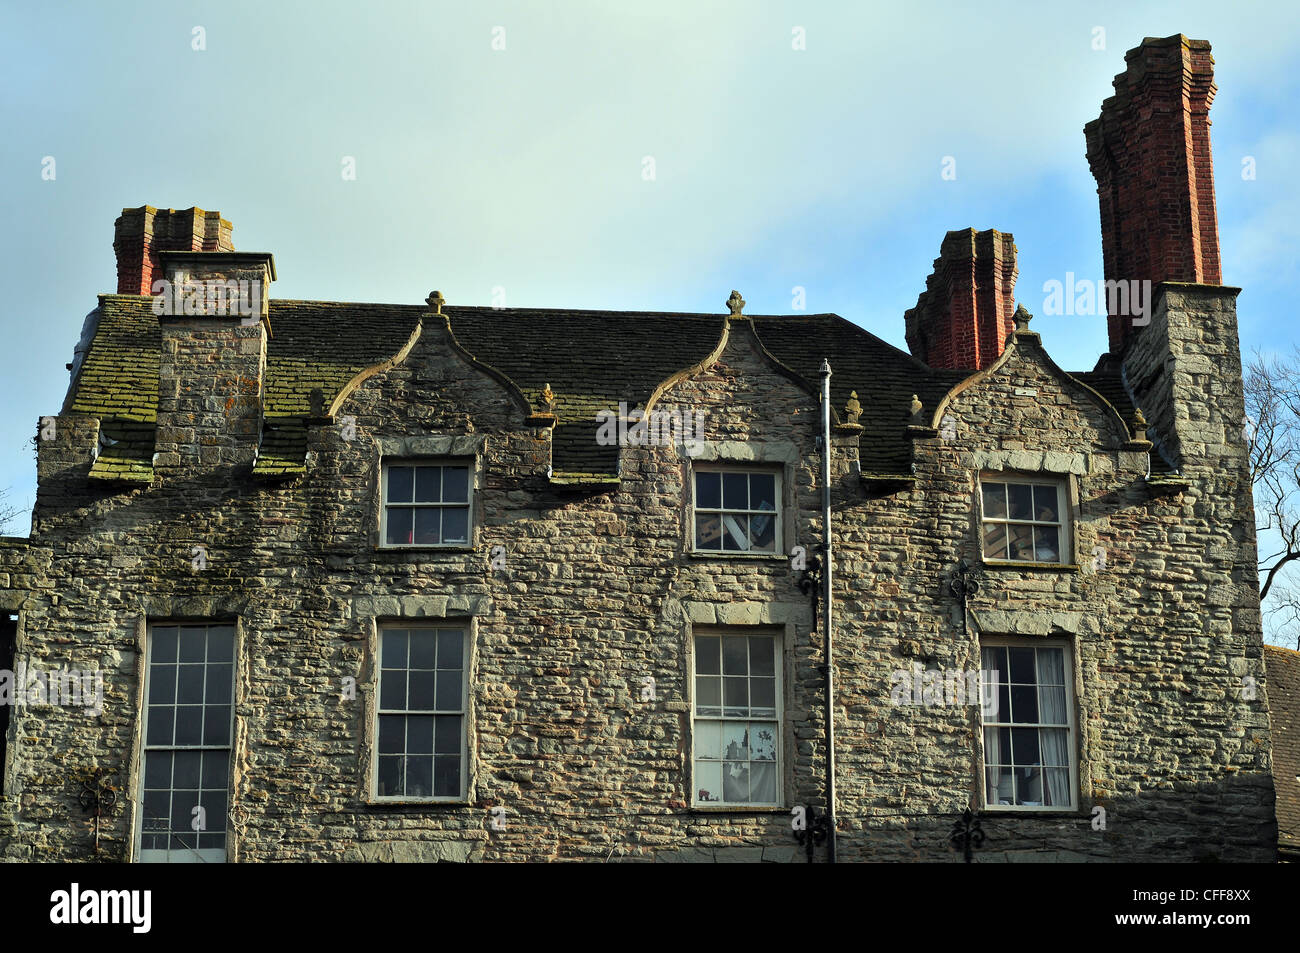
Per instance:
x=416, y=802
x=1030, y=566
x=727, y=556
x=736, y=809
x=424, y=549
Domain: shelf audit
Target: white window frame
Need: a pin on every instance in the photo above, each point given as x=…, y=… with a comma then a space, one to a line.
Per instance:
x=778, y=529
x=377, y=710
x=468, y=505
x=1063, y=524
x=172, y=855
x=779, y=718
x=1072, y=737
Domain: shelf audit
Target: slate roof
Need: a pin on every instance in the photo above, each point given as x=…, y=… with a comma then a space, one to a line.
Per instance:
x=1282, y=668
x=591, y=359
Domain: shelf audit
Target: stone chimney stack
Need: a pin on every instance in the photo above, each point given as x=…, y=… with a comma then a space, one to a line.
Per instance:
x=140, y=234
x=1150, y=154
x=963, y=318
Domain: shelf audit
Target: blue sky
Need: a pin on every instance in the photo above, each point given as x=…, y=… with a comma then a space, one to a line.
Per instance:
x=522, y=168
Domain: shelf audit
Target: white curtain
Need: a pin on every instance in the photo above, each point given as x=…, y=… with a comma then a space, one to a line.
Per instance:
x=1053, y=742
x=992, y=741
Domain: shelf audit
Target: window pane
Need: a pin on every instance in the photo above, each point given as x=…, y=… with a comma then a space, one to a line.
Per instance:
x=707, y=650
x=186, y=770
x=215, y=770
x=428, y=484
x=164, y=644
x=392, y=734
x=157, y=769
x=193, y=644
x=419, y=776
x=1029, y=786
x=1046, y=547
x=214, y=812
x=1051, y=666
x=762, y=741
x=735, y=655
x=1020, y=500
x=422, y=691
x=762, y=692
x=162, y=684
x=399, y=526
x=221, y=643
x=449, y=690
x=1058, y=786
x=455, y=484
x=1022, y=542
x=708, y=694
x=763, y=533
x=1001, y=786
x=736, y=697
x=390, y=776
x=1023, y=669
x=446, y=776
x=424, y=649
x=216, y=725
x=400, y=485
x=1024, y=704
x=708, y=491
x=735, y=740
x=708, y=740
x=995, y=540
x=762, y=782
x=762, y=491
x=218, y=689
x=735, y=781
x=446, y=735
x=735, y=491
x=1045, y=507
x=451, y=644
x=995, y=501
x=708, y=532
x=189, y=725
x=189, y=689
x=419, y=735
x=427, y=525
x=735, y=536
x=161, y=721
x=394, y=648
x=708, y=781
x=392, y=689
x=1024, y=746
x=455, y=525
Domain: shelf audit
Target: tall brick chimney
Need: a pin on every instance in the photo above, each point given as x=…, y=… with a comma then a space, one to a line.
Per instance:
x=141, y=233
x=963, y=317
x=1150, y=154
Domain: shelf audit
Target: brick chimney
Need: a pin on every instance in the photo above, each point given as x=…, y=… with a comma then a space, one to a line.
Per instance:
x=963, y=317
x=1150, y=154
x=141, y=233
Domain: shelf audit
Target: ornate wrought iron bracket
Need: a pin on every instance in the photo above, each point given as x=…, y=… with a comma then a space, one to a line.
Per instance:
x=96, y=797
x=814, y=834
x=810, y=580
x=965, y=582
x=966, y=834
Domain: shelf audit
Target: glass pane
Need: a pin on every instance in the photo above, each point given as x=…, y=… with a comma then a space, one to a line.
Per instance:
x=762, y=652
x=736, y=697
x=1001, y=785
x=221, y=643
x=994, y=659
x=446, y=776
x=419, y=735
x=708, y=693
x=189, y=725
x=216, y=765
x=1045, y=507
x=995, y=540
x=735, y=535
x=1024, y=704
x=762, y=695
x=708, y=532
x=157, y=769
x=161, y=721
x=189, y=688
x=451, y=644
x=708, y=781
x=735, y=491
x=455, y=525
x=394, y=648
x=214, y=811
x=399, y=526
x=392, y=689
x=1022, y=542
x=1054, y=743
x=1051, y=666
x=390, y=776
x=1020, y=500
x=735, y=781
x=186, y=771
x=706, y=655
x=708, y=740
x=735, y=655
x=193, y=644
x=1051, y=705
x=449, y=690
x=735, y=740
x=428, y=523
x=400, y=485
x=392, y=734
x=446, y=734
x=1046, y=547
x=455, y=484
x=763, y=533
x=218, y=690
x=762, y=491
x=1024, y=746
x=162, y=684
x=1003, y=702
x=164, y=644
x=1029, y=786
x=424, y=650
x=708, y=491
x=419, y=776
x=995, y=501
x=428, y=484
x=1057, y=791
x=762, y=741
x=1022, y=669
x=216, y=725
x=421, y=686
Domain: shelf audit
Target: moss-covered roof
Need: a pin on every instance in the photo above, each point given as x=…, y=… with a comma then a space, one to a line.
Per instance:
x=592, y=361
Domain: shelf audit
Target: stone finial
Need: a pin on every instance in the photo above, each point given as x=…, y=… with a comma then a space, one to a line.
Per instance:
x=548, y=399
x=1140, y=422
x=852, y=409
x=735, y=303
x=916, y=406
x=1022, y=317
x=435, y=301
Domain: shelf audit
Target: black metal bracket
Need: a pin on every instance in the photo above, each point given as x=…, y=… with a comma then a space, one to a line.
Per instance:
x=810, y=579
x=966, y=834
x=95, y=797
x=815, y=833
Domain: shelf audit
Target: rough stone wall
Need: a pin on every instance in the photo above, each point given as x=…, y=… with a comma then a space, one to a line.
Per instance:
x=599, y=590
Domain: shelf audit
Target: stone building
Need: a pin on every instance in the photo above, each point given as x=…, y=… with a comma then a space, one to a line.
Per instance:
x=340, y=581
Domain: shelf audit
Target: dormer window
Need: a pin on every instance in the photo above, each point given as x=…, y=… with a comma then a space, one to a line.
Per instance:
x=426, y=503
x=1023, y=520
x=737, y=510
